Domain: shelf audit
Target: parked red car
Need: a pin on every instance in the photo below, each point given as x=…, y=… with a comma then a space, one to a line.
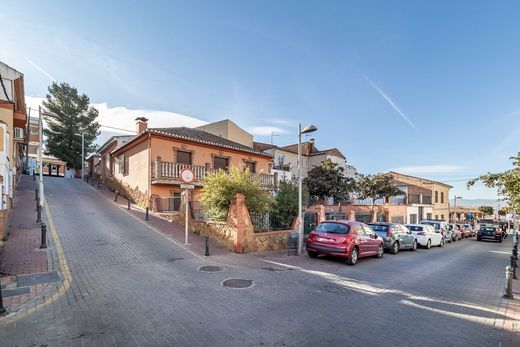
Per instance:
x=463, y=231
x=346, y=239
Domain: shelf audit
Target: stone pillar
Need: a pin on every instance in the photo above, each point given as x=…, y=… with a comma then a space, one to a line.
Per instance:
x=240, y=202
x=158, y=171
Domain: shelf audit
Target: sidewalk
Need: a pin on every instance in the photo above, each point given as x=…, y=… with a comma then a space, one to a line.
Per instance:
x=23, y=265
x=511, y=308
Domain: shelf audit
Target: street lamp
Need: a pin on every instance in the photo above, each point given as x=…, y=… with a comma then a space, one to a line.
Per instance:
x=82, y=154
x=308, y=129
x=455, y=207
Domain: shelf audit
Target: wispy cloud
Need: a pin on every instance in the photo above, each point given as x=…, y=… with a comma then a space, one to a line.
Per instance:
x=389, y=101
x=124, y=118
x=430, y=169
x=266, y=131
x=39, y=68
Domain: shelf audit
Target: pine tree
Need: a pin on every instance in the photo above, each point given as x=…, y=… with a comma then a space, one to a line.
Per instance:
x=73, y=116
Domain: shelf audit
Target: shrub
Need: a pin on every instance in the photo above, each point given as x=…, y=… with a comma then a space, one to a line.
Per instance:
x=220, y=188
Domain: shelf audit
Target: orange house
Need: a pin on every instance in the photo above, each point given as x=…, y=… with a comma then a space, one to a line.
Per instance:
x=147, y=167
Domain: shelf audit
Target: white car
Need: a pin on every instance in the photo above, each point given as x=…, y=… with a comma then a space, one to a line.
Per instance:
x=426, y=235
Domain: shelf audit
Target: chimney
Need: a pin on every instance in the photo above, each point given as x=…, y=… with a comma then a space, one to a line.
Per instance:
x=310, y=147
x=141, y=124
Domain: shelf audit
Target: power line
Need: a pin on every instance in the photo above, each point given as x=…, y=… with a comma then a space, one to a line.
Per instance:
x=107, y=126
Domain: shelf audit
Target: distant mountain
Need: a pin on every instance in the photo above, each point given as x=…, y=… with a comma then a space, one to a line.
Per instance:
x=477, y=202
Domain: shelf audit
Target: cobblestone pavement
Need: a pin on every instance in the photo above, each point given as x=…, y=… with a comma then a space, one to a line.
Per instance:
x=130, y=286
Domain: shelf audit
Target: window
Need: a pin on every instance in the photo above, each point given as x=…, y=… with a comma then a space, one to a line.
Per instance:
x=333, y=228
x=251, y=166
x=436, y=216
x=126, y=165
x=175, y=201
x=183, y=157
x=442, y=216
x=121, y=164
x=220, y=163
x=436, y=196
x=358, y=230
x=111, y=163
x=413, y=219
x=442, y=197
x=368, y=232
x=428, y=216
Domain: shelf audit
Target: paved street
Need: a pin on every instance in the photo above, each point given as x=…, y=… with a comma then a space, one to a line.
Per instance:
x=130, y=286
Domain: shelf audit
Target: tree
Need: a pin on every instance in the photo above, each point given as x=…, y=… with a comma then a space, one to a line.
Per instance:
x=221, y=187
x=285, y=206
x=73, y=116
x=507, y=183
x=486, y=210
x=328, y=180
x=503, y=211
x=375, y=187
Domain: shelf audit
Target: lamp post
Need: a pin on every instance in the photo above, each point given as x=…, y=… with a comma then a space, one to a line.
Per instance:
x=40, y=152
x=306, y=130
x=455, y=207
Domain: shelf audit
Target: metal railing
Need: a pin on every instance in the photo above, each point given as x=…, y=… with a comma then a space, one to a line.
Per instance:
x=168, y=204
x=172, y=170
x=263, y=222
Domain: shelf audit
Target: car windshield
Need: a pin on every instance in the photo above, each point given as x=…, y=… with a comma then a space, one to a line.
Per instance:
x=334, y=228
x=414, y=228
x=378, y=227
x=437, y=226
x=488, y=229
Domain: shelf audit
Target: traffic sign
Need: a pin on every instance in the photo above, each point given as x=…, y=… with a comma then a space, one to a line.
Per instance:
x=187, y=176
x=187, y=186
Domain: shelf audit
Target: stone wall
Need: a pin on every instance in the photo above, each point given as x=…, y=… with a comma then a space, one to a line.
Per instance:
x=126, y=191
x=3, y=223
x=237, y=233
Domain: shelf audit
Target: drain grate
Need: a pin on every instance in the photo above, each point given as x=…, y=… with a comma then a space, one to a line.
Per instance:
x=237, y=283
x=29, y=226
x=29, y=280
x=211, y=268
x=15, y=292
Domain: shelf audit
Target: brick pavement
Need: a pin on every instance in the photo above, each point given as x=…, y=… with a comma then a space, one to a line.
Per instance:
x=130, y=287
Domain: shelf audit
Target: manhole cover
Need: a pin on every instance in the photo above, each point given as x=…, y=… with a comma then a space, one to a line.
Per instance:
x=171, y=260
x=237, y=283
x=211, y=268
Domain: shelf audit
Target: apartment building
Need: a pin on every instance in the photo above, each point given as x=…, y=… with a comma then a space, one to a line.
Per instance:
x=13, y=120
x=438, y=192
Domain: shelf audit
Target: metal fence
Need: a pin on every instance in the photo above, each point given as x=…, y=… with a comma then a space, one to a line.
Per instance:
x=168, y=204
x=269, y=222
x=199, y=211
x=335, y=216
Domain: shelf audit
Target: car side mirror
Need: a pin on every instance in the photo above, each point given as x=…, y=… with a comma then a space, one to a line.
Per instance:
x=375, y=236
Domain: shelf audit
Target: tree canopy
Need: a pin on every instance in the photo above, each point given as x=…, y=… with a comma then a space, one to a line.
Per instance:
x=486, y=210
x=328, y=180
x=507, y=183
x=376, y=187
x=73, y=115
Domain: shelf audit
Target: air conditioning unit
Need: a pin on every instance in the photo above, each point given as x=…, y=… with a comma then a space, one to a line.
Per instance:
x=18, y=133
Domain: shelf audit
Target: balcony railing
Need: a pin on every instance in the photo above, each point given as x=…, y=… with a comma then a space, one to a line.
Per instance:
x=169, y=172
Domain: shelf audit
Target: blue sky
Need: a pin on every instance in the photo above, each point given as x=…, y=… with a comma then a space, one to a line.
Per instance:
x=429, y=88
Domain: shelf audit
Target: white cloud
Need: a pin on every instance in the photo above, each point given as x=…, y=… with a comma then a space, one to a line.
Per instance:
x=421, y=169
x=124, y=118
x=389, y=101
x=266, y=131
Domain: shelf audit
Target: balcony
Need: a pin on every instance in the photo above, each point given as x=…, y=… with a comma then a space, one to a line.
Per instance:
x=164, y=172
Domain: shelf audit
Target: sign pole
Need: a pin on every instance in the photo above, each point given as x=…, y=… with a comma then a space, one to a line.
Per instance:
x=186, y=218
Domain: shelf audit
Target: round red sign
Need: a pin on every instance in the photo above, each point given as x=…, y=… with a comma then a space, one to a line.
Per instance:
x=187, y=176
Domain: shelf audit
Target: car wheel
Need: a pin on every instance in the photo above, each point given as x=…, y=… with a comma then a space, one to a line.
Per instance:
x=428, y=244
x=395, y=247
x=500, y=241
x=312, y=254
x=353, y=257
x=414, y=246
x=441, y=244
x=380, y=251
x=478, y=239
x=454, y=239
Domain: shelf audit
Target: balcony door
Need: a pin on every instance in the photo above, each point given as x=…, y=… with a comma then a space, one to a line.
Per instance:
x=183, y=157
x=220, y=163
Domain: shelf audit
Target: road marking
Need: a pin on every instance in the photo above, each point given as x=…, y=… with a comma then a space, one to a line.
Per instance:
x=67, y=278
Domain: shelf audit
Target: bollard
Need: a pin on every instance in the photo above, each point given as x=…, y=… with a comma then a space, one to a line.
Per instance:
x=146, y=214
x=39, y=214
x=514, y=266
x=34, y=177
x=206, y=239
x=37, y=203
x=87, y=179
x=44, y=236
x=98, y=185
x=36, y=194
x=117, y=193
x=508, y=292
x=128, y=207
x=2, y=308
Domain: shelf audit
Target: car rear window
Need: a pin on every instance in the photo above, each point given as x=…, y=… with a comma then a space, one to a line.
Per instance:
x=437, y=226
x=378, y=227
x=488, y=229
x=414, y=228
x=335, y=228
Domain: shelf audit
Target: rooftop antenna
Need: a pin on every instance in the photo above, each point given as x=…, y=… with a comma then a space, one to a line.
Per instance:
x=274, y=133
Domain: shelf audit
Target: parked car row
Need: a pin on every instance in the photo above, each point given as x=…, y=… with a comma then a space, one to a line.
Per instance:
x=352, y=240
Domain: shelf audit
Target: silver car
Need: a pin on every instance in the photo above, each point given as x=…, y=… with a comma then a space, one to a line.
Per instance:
x=443, y=228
